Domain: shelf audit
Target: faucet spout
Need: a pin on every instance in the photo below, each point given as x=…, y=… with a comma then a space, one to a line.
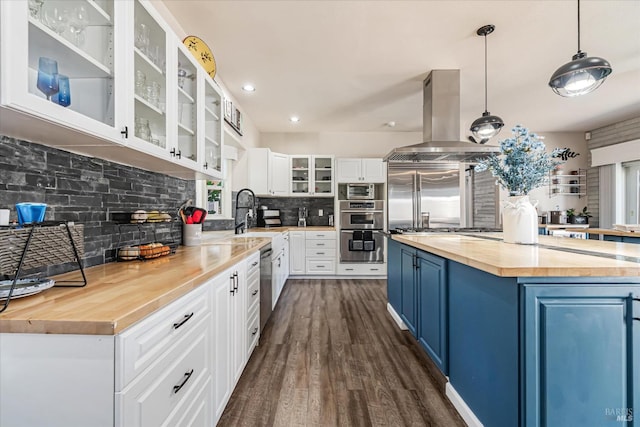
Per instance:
x=250, y=208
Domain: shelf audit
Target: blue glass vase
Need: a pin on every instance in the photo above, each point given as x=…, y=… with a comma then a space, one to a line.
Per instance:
x=63, y=96
x=47, y=76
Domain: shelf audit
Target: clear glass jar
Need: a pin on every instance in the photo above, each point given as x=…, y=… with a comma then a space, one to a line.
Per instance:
x=143, y=131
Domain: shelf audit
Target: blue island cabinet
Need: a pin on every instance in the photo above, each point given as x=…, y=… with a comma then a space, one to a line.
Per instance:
x=417, y=291
x=581, y=353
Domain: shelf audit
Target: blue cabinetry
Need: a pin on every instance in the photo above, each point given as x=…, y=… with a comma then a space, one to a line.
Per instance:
x=417, y=290
x=432, y=307
x=581, y=352
x=408, y=309
x=623, y=239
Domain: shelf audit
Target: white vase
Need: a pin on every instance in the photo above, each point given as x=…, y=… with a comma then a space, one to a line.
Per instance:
x=520, y=221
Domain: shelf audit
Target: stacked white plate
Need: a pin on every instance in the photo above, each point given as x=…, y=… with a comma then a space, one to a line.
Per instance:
x=24, y=287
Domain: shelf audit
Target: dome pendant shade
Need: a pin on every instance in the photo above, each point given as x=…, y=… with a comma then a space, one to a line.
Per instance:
x=580, y=76
x=486, y=127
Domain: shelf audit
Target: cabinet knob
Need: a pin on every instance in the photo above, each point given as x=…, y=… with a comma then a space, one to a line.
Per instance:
x=206, y=165
x=179, y=154
x=125, y=132
x=173, y=152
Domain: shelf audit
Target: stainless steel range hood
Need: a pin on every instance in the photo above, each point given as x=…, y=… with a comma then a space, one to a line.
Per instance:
x=441, y=126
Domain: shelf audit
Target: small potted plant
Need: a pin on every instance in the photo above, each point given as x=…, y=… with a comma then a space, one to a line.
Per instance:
x=578, y=217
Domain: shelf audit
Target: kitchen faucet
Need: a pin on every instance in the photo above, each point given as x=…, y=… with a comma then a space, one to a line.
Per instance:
x=241, y=227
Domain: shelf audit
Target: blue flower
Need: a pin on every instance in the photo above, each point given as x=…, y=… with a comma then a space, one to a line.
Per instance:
x=523, y=163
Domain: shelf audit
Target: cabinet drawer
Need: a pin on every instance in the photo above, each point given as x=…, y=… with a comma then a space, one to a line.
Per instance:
x=253, y=297
x=320, y=244
x=363, y=269
x=253, y=264
x=173, y=380
x=253, y=333
x=140, y=345
x=320, y=252
x=321, y=266
x=197, y=412
x=324, y=235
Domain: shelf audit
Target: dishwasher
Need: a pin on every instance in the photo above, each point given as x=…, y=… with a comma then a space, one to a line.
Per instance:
x=265, y=285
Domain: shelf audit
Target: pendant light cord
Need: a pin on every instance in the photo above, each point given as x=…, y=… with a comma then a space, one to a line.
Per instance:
x=485, y=73
x=578, y=26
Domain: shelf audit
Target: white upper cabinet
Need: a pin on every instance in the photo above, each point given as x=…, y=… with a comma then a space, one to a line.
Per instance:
x=360, y=170
x=58, y=63
x=268, y=172
x=108, y=79
x=311, y=175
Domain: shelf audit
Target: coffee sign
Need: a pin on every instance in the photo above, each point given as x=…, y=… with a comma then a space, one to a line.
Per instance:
x=566, y=154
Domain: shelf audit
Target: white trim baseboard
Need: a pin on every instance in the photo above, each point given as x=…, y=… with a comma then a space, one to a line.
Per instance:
x=396, y=318
x=465, y=412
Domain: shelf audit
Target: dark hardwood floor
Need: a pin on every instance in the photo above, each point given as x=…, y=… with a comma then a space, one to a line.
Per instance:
x=331, y=355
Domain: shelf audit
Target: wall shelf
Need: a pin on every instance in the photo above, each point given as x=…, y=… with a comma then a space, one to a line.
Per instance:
x=574, y=184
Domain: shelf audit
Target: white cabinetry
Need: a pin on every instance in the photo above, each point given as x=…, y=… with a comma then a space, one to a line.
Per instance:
x=177, y=366
x=268, y=172
x=112, y=95
x=311, y=175
x=297, y=248
x=360, y=170
x=253, y=303
x=320, y=249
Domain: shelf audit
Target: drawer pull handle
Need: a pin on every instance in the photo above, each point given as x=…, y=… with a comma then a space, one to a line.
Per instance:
x=320, y=266
x=184, y=320
x=235, y=282
x=319, y=244
x=255, y=331
x=254, y=264
x=349, y=269
x=374, y=269
x=637, y=318
x=254, y=293
x=320, y=253
x=187, y=375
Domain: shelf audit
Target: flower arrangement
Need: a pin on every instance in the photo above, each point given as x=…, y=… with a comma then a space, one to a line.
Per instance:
x=523, y=163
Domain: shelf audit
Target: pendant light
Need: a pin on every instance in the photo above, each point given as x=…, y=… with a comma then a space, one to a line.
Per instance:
x=487, y=126
x=582, y=75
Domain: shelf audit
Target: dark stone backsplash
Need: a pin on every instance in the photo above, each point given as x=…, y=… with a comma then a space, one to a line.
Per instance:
x=289, y=208
x=87, y=190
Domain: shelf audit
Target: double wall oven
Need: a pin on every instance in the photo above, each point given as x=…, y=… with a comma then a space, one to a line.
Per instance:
x=361, y=225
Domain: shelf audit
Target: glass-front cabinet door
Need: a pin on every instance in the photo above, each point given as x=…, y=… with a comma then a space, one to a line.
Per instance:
x=58, y=62
x=300, y=175
x=186, y=106
x=149, y=71
x=323, y=175
x=212, y=111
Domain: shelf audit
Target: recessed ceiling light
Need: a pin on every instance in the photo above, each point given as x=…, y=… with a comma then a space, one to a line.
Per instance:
x=248, y=88
x=294, y=119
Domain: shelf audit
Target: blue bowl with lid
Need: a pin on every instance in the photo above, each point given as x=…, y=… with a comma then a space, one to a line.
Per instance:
x=30, y=212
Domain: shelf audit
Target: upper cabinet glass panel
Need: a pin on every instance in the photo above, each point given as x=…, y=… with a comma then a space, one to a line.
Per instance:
x=212, y=127
x=70, y=55
x=149, y=52
x=186, y=106
x=323, y=175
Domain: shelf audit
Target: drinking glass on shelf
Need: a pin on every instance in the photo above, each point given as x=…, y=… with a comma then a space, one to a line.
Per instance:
x=142, y=38
x=47, y=76
x=141, y=83
x=78, y=21
x=182, y=75
x=63, y=96
x=35, y=8
x=143, y=131
x=153, y=93
x=56, y=19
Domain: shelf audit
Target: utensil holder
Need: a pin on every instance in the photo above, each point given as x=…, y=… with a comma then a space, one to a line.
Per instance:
x=191, y=234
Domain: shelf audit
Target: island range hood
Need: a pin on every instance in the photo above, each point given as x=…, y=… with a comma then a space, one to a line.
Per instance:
x=441, y=126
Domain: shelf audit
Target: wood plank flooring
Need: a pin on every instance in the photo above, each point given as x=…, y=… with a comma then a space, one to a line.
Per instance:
x=331, y=355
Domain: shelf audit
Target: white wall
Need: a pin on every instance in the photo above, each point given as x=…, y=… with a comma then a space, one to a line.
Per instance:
x=340, y=144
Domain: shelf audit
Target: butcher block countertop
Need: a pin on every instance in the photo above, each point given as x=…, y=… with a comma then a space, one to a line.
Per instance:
x=610, y=232
x=552, y=257
x=119, y=294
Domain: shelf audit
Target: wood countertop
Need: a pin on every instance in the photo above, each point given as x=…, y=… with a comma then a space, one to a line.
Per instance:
x=487, y=252
x=293, y=228
x=610, y=232
x=119, y=294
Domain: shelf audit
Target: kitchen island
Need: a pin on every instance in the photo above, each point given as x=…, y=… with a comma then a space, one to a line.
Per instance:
x=528, y=335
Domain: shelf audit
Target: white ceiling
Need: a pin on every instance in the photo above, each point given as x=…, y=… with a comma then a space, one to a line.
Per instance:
x=356, y=65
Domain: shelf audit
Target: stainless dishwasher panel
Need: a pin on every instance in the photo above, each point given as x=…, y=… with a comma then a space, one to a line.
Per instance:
x=265, y=285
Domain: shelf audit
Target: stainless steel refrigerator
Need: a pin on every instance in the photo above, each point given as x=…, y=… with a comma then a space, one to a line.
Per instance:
x=433, y=195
